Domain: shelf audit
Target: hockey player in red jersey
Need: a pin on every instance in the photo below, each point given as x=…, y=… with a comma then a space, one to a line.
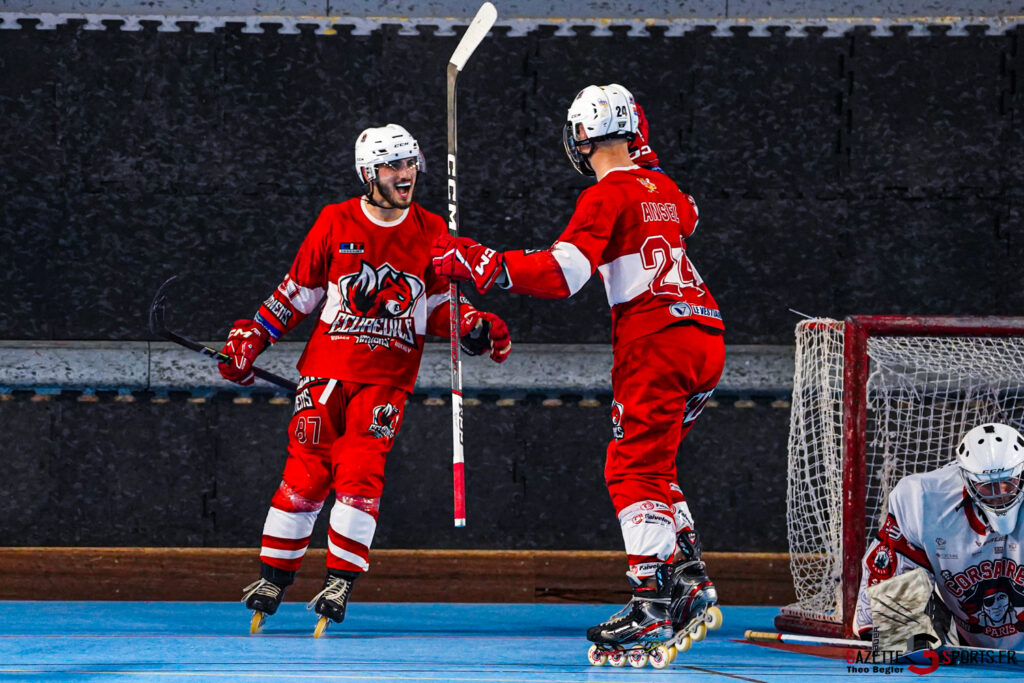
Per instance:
x=368, y=260
x=961, y=527
x=667, y=336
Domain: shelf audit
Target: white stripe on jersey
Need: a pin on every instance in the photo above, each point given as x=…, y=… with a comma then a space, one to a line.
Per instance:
x=648, y=529
x=435, y=300
x=347, y=556
x=353, y=524
x=576, y=268
x=289, y=524
x=304, y=299
x=625, y=278
x=282, y=554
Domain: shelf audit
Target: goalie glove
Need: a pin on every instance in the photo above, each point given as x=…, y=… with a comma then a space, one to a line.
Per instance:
x=481, y=332
x=465, y=260
x=246, y=340
x=903, y=613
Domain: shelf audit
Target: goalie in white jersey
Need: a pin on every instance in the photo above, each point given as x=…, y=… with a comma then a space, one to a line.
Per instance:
x=961, y=524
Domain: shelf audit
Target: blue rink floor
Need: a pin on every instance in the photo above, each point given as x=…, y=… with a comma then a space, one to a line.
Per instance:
x=162, y=641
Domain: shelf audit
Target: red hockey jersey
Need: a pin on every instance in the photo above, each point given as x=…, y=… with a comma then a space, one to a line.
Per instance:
x=382, y=295
x=631, y=227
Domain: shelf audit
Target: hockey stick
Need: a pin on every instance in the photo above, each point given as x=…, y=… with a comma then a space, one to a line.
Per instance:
x=473, y=36
x=158, y=326
x=765, y=636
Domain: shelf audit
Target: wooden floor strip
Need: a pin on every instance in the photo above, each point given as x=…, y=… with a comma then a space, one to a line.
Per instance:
x=218, y=574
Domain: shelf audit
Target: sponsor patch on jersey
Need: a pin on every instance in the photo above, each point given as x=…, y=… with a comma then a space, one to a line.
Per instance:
x=352, y=248
x=651, y=187
x=681, y=309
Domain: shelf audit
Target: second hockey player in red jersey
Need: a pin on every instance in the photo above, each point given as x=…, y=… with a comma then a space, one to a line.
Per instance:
x=368, y=261
x=667, y=335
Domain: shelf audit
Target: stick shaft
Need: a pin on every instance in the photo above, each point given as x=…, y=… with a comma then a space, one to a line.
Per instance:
x=458, y=454
x=474, y=35
x=766, y=636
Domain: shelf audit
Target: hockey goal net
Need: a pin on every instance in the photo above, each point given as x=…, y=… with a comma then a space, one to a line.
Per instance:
x=876, y=398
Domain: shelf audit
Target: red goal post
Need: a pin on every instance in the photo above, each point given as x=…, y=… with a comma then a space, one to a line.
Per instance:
x=876, y=398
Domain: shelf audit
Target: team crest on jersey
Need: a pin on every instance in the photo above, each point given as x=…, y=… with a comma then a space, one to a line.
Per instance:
x=881, y=563
x=617, y=431
x=377, y=306
x=385, y=421
x=651, y=187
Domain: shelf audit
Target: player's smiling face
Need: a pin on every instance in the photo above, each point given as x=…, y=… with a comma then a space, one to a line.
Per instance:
x=396, y=182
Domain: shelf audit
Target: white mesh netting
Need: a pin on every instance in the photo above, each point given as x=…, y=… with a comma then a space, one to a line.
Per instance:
x=923, y=393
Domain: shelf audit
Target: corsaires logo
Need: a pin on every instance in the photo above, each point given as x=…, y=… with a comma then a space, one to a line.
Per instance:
x=377, y=306
x=385, y=421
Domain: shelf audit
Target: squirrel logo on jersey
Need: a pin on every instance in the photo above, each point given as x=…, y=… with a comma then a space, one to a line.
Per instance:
x=377, y=306
x=617, y=431
x=385, y=421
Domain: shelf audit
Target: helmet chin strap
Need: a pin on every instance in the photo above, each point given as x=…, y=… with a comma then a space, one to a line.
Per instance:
x=368, y=196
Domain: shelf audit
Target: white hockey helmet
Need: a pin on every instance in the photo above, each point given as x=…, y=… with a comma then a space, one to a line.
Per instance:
x=599, y=112
x=991, y=459
x=376, y=146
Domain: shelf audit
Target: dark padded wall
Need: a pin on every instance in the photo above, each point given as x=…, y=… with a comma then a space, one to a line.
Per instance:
x=185, y=474
x=855, y=174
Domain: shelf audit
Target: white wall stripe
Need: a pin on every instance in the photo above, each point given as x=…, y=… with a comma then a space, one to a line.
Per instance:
x=54, y=366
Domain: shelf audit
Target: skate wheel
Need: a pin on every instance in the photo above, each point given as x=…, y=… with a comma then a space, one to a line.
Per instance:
x=256, y=625
x=660, y=657
x=714, y=618
x=321, y=627
x=672, y=653
x=617, y=658
x=637, y=659
x=699, y=633
x=684, y=644
x=597, y=656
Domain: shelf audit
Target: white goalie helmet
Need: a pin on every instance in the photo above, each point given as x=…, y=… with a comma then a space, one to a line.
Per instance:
x=376, y=146
x=991, y=459
x=599, y=112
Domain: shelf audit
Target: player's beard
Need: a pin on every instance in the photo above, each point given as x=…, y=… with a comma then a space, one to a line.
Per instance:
x=391, y=196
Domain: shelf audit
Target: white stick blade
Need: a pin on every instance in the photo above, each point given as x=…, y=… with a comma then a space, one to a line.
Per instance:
x=478, y=28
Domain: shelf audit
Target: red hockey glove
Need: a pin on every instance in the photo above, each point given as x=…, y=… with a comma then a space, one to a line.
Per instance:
x=464, y=260
x=481, y=332
x=246, y=340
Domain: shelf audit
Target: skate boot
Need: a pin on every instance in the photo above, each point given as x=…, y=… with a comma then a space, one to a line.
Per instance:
x=636, y=632
x=694, y=607
x=264, y=596
x=330, y=603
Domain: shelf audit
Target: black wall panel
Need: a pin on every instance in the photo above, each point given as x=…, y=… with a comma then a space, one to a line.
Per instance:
x=130, y=156
x=201, y=474
x=853, y=174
